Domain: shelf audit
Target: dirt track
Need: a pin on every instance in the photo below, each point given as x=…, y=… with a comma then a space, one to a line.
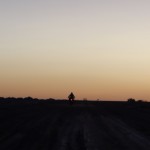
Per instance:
x=60, y=126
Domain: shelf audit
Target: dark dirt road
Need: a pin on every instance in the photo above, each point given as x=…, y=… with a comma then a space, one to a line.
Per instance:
x=82, y=126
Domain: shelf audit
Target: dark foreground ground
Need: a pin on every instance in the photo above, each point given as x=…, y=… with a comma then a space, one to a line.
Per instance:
x=56, y=125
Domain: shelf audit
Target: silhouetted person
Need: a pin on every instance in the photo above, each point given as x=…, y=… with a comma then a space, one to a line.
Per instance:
x=71, y=97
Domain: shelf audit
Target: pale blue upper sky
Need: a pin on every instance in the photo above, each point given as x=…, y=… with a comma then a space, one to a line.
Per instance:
x=98, y=49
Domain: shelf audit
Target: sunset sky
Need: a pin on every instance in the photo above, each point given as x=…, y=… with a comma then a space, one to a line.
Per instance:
x=98, y=49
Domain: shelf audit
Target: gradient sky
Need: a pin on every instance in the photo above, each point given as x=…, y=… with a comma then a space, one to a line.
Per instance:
x=99, y=49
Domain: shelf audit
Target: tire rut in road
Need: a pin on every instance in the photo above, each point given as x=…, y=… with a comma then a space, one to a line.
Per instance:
x=71, y=134
x=115, y=134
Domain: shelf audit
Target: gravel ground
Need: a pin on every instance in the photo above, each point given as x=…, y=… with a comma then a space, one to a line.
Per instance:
x=81, y=126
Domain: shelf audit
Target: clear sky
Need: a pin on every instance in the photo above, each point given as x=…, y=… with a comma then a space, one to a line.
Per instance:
x=99, y=49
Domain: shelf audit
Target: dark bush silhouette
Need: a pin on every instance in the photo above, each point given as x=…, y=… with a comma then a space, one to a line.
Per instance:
x=140, y=101
x=28, y=98
x=131, y=100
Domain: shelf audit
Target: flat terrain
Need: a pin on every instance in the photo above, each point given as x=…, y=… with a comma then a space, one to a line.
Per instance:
x=57, y=125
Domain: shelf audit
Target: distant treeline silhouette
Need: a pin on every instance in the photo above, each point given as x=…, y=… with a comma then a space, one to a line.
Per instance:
x=30, y=100
x=23, y=100
x=132, y=100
